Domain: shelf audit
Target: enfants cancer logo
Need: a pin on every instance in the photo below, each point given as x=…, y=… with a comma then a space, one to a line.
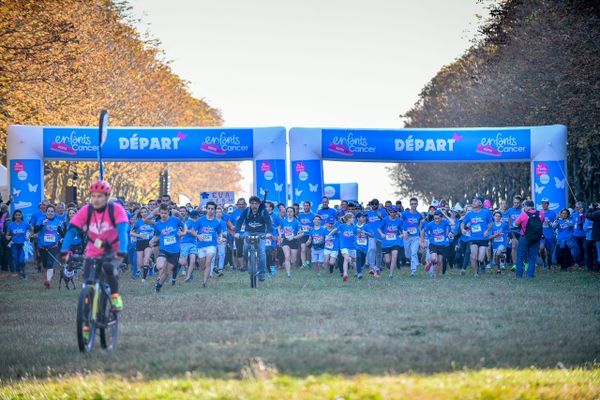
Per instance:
x=72, y=143
x=498, y=145
x=350, y=144
x=223, y=143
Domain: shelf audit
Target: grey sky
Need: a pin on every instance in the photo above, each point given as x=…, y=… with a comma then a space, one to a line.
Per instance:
x=312, y=63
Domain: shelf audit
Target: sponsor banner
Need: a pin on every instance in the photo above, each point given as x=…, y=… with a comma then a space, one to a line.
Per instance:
x=271, y=177
x=341, y=191
x=221, y=198
x=307, y=178
x=427, y=145
x=149, y=144
x=550, y=182
x=26, y=186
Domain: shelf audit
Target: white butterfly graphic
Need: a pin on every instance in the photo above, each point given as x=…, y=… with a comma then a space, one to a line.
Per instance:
x=16, y=192
x=262, y=191
x=539, y=189
x=278, y=187
x=559, y=183
x=313, y=188
x=298, y=192
x=33, y=188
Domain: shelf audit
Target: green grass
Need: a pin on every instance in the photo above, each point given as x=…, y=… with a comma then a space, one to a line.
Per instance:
x=309, y=326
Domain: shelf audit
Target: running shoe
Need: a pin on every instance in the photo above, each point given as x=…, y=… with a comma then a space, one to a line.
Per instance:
x=359, y=276
x=514, y=267
x=204, y=284
x=158, y=286
x=47, y=284
x=377, y=275
x=526, y=266
x=143, y=281
x=345, y=278
x=428, y=267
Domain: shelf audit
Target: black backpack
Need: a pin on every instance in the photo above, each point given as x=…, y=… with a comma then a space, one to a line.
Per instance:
x=534, y=229
x=111, y=215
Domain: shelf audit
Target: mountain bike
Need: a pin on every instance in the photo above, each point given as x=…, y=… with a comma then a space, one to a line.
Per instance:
x=252, y=242
x=94, y=310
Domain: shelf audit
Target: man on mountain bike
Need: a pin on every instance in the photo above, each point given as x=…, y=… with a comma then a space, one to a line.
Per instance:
x=106, y=233
x=256, y=220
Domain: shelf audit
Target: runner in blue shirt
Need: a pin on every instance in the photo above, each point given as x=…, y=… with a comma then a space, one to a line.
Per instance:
x=143, y=233
x=362, y=243
x=306, y=220
x=566, y=246
x=207, y=230
x=375, y=215
x=325, y=212
x=16, y=233
x=189, y=248
x=332, y=244
x=48, y=231
x=479, y=221
x=168, y=230
x=316, y=239
x=499, y=235
x=578, y=232
x=515, y=232
x=411, y=228
x=390, y=231
x=290, y=231
x=439, y=232
x=347, y=233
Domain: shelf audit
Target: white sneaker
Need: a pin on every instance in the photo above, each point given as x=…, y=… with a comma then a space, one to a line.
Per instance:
x=143, y=281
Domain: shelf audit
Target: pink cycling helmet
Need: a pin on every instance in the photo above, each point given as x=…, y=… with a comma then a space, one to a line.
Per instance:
x=100, y=187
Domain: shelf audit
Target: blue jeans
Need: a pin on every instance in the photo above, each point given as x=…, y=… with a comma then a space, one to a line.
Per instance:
x=262, y=258
x=598, y=250
x=528, y=253
x=18, y=258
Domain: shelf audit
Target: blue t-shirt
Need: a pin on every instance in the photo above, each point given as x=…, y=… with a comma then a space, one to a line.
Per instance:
x=411, y=222
x=49, y=236
x=505, y=218
x=564, y=230
x=317, y=237
x=347, y=234
x=549, y=218
x=437, y=234
x=235, y=216
x=392, y=229
x=326, y=213
x=373, y=219
x=333, y=242
x=17, y=231
x=168, y=233
x=466, y=236
x=188, y=237
x=587, y=227
x=502, y=229
x=36, y=216
x=76, y=240
x=207, y=230
x=306, y=221
x=144, y=229
x=362, y=240
x=513, y=214
x=290, y=228
x=478, y=222
x=578, y=224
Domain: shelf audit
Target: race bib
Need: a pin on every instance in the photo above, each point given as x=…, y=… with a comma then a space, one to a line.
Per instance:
x=329, y=245
x=390, y=236
x=317, y=239
x=499, y=239
x=412, y=230
x=438, y=238
x=289, y=237
x=305, y=228
x=361, y=241
x=170, y=240
x=267, y=242
x=49, y=238
x=205, y=237
x=145, y=236
x=475, y=228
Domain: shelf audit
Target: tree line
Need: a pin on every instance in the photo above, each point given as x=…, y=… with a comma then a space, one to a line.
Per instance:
x=62, y=61
x=533, y=63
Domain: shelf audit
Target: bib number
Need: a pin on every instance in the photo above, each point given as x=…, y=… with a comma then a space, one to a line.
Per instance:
x=475, y=228
x=145, y=236
x=49, y=238
x=390, y=236
x=205, y=237
x=267, y=242
x=361, y=241
x=329, y=245
x=305, y=228
x=499, y=239
x=412, y=230
x=170, y=240
x=438, y=239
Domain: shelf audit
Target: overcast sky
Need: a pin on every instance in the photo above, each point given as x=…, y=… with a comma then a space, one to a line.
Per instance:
x=317, y=63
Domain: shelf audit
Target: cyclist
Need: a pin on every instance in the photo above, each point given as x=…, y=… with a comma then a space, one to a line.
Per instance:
x=256, y=221
x=102, y=230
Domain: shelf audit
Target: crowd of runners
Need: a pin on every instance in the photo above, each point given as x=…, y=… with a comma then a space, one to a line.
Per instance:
x=169, y=242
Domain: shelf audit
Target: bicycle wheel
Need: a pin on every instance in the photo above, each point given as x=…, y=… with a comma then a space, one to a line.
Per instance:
x=108, y=324
x=252, y=262
x=84, y=319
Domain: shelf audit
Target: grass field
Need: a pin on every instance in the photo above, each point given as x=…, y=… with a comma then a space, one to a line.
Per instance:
x=308, y=326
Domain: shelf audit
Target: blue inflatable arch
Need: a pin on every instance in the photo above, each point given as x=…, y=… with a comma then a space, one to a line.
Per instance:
x=29, y=146
x=545, y=147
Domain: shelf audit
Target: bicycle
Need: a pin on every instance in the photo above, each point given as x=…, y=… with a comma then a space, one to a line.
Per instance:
x=94, y=309
x=252, y=241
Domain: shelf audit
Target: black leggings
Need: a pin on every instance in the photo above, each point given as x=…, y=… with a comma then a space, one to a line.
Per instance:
x=48, y=256
x=110, y=268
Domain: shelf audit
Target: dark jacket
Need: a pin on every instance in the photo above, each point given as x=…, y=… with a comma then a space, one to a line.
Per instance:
x=594, y=215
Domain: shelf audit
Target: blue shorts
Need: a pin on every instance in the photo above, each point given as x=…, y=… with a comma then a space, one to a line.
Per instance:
x=187, y=249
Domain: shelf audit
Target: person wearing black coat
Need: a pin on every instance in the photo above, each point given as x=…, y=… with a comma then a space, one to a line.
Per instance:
x=593, y=214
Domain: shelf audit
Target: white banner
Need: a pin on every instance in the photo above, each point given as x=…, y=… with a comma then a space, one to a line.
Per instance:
x=221, y=198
